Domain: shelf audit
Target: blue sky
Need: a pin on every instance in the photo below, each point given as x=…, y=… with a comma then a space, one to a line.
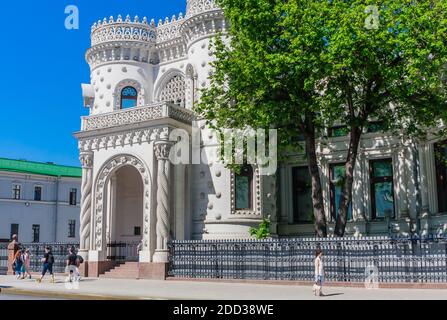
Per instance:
x=43, y=67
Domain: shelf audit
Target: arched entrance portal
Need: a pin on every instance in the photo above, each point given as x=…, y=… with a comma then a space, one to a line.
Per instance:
x=122, y=223
x=126, y=215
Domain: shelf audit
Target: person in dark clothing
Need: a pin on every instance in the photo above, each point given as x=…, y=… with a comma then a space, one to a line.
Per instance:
x=48, y=261
x=72, y=264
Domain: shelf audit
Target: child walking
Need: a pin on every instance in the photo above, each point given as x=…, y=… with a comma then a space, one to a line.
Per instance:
x=319, y=273
x=26, y=258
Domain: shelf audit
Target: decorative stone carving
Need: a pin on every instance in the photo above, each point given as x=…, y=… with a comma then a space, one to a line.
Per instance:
x=86, y=159
x=174, y=91
x=111, y=30
x=137, y=115
x=198, y=6
x=162, y=149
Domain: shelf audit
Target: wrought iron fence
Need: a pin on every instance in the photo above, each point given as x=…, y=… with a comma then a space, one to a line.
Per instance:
x=123, y=251
x=345, y=259
x=3, y=258
x=59, y=251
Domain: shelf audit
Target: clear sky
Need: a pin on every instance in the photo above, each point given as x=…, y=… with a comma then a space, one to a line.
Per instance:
x=43, y=66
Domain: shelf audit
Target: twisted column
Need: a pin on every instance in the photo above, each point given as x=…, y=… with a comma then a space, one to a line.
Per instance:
x=86, y=159
x=162, y=150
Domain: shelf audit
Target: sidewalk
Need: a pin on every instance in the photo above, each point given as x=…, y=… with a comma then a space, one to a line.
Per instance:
x=175, y=290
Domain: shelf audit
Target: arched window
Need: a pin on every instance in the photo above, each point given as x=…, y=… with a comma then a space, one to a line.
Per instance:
x=129, y=97
x=244, y=188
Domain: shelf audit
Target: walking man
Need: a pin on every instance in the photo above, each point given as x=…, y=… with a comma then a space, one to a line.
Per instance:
x=48, y=261
x=72, y=265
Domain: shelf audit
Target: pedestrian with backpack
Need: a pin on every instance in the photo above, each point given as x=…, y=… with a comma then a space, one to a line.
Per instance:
x=48, y=261
x=79, y=261
x=72, y=265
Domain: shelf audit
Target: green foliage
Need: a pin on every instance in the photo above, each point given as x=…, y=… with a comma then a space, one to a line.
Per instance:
x=303, y=65
x=263, y=231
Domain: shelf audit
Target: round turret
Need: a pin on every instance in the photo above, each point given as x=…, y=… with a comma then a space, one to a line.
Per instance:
x=120, y=61
x=194, y=7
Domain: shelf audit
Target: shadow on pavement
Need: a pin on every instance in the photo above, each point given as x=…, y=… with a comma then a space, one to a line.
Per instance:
x=333, y=294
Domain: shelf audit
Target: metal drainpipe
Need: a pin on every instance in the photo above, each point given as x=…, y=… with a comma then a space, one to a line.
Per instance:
x=57, y=209
x=416, y=177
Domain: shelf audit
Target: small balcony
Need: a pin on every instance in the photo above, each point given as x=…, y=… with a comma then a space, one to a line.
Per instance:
x=137, y=115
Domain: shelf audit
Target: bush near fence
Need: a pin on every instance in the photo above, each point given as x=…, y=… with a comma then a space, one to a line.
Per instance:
x=406, y=259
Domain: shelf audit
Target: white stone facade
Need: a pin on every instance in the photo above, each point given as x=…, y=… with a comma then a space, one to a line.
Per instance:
x=167, y=64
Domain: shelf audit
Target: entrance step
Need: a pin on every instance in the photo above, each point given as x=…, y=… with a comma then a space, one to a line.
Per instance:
x=128, y=270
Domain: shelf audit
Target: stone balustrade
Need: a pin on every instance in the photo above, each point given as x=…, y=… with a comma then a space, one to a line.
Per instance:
x=136, y=115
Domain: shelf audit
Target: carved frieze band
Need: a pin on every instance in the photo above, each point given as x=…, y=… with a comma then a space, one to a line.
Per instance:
x=121, y=139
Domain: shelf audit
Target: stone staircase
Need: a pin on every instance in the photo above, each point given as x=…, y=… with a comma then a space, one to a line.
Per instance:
x=128, y=270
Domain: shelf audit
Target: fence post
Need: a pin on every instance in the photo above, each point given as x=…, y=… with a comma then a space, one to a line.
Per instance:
x=13, y=247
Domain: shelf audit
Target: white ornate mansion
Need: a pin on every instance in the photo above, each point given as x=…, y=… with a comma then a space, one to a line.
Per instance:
x=145, y=80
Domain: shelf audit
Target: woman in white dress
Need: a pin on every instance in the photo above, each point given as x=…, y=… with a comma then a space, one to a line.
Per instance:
x=319, y=273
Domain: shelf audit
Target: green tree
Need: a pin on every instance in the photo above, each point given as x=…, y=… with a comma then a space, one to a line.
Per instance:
x=265, y=77
x=384, y=61
x=301, y=65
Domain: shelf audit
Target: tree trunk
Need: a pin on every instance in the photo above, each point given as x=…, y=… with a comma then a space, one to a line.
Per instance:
x=346, y=197
x=317, y=191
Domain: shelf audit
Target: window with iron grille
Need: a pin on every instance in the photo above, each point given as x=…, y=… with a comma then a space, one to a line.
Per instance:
x=73, y=194
x=36, y=233
x=72, y=228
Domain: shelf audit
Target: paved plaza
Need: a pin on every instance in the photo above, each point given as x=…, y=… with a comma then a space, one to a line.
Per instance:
x=188, y=290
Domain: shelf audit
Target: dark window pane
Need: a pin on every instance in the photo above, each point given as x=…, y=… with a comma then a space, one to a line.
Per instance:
x=242, y=192
x=382, y=189
x=137, y=231
x=37, y=193
x=243, y=186
x=375, y=127
x=302, y=195
x=384, y=199
x=36, y=233
x=441, y=175
x=383, y=168
x=73, y=194
x=14, y=230
x=340, y=131
x=338, y=174
x=72, y=228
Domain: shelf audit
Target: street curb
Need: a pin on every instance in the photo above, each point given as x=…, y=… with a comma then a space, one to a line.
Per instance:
x=69, y=296
x=427, y=286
